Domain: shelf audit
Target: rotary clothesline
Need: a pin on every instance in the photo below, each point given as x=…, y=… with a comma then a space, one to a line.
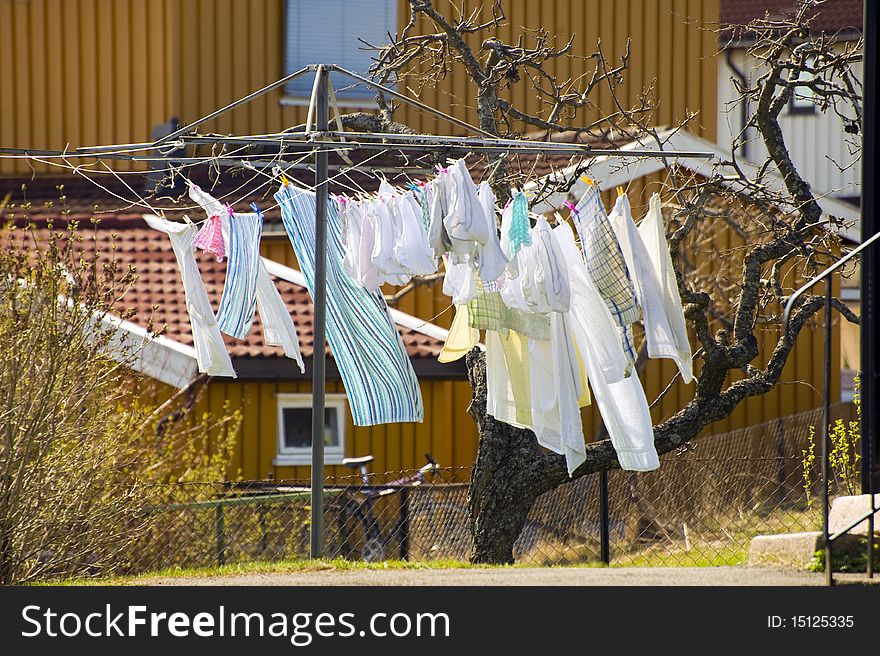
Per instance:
x=317, y=141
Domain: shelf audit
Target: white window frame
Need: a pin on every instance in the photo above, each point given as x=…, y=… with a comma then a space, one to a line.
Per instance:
x=333, y=455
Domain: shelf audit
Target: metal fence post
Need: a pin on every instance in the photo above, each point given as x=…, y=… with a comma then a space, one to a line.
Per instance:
x=604, y=520
x=826, y=415
x=220, y=533
x=404, y=523
x=319, y=357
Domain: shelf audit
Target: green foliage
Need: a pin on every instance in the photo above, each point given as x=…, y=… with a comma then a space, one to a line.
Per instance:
x=847, y=561
x=844, y=456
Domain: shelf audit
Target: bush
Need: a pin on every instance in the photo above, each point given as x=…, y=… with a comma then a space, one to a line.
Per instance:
x=79, y=454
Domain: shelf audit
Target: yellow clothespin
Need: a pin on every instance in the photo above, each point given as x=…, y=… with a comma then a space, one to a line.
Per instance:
x=620, y=191
x=284, y=179
x=589, y=181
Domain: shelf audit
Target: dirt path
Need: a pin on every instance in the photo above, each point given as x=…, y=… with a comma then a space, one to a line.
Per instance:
x=655, y=576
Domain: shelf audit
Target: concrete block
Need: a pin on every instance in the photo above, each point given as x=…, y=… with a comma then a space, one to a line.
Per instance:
x=793, y=549
x=845, y=510
x=785, y=549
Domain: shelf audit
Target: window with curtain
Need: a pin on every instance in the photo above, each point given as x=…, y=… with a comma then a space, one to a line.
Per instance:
x=327, y=32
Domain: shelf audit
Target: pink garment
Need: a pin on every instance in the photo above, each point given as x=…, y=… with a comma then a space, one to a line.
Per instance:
x=210, y=238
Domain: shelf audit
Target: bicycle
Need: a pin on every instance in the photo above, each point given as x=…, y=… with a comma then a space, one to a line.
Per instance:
x=424, y=528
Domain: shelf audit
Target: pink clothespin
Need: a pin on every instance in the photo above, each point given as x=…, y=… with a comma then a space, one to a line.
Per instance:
x=442, y=169
x=570, y=206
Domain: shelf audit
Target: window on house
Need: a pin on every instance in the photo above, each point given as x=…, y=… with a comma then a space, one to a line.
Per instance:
x=802, y=99
x=327, y=32
x=295, y=429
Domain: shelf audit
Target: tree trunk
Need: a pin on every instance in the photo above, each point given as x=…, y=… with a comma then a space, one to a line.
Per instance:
x=504, y=484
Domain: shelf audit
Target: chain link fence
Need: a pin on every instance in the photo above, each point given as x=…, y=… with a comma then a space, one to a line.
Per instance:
x=701, y=507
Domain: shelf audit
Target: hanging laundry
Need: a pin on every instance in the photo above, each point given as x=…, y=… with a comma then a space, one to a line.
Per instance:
x=556, y=389
x=439, y=190
x=605, y=263
x=465, y=221
x=369, y=353
x=490, y=259
x=594, y=324
x=210, y=238
x=388, y=269
x=278, y=326
x=211, y=353
x=621, y=400
x=661, y=341
x=351, y=215
x=411, y=248
x=238, y=302
x=206, y=201
x=551, y=272
x=508, y=384
x=654, y=238
x=461, y=337
x=515, y=226
x=487, y=311
x=459, y=282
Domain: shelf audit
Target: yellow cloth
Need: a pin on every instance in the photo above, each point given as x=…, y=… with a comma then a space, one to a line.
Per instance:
x=461, y=338
x=516, y=355
x=584, y=399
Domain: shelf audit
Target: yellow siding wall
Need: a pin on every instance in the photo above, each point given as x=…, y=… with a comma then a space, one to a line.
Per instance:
x=447, y=433
x=83, y=72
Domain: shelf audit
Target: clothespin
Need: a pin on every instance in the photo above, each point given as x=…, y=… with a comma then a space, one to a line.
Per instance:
x=571, y=207
x=620, y=191
x=279, y=173
x=256, y=210
x=186, y=219
x=231, y=211
x=558, y=218
x=589, y=181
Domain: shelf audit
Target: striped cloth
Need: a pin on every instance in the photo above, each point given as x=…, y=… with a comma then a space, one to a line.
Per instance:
x=239, y=300
x=605, y=261
x=369, y=353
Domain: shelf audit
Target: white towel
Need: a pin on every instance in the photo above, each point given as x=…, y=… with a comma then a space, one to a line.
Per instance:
x=654, y=237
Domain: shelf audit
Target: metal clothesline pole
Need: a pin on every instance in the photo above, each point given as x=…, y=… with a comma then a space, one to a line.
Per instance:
x=319, y=358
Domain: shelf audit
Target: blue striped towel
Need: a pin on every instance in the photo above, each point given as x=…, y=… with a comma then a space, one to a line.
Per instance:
x=242, y=234
x=379, y=379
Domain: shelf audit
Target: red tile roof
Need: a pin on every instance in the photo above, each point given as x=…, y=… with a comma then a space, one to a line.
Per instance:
x=158, y=279
x=832, y=16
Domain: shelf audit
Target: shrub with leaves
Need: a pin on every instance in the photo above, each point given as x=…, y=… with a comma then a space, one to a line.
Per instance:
x=79, y=451
x=844, y=456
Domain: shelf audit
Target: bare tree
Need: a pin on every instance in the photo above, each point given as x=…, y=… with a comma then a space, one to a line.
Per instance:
x=779, y=228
